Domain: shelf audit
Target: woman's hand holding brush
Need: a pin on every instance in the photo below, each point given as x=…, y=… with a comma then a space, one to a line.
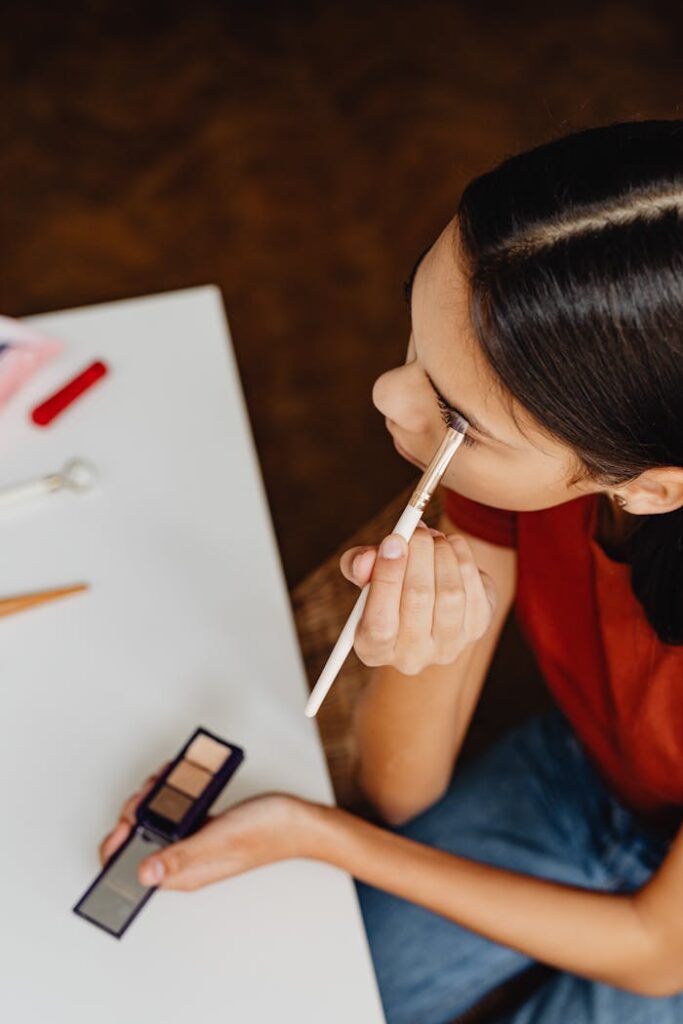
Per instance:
x=424, y=605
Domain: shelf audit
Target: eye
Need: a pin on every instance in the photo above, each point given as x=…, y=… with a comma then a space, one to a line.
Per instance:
x=446, y=416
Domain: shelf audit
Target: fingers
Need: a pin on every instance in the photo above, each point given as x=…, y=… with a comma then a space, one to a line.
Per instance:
x=348, y=568
x=153, y=870
x=111, y=843
x=127, y=812
x=480, y=593
x=377, y=630
x=417, y=597
x=490, y=588
x=424, y=606
x=189, y=863
x=121, y=831
x=183, y=865
x=450, y=601
x=357, y=563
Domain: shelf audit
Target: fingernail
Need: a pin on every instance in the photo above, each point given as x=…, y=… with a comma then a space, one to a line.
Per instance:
x=422, y=525
x=152, y=872
x=391, y=548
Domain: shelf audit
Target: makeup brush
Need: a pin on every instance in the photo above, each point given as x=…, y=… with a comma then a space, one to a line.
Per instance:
x=18, y=603
x=405, y=527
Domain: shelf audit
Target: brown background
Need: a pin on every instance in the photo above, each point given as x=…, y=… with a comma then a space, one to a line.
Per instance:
x=299, y=155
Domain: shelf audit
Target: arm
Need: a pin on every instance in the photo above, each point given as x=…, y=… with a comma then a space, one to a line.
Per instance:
x=632, y=941
x=659, y=904
x=408, y=730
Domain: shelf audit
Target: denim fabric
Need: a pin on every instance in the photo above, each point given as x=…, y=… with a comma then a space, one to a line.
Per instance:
x=532, y=803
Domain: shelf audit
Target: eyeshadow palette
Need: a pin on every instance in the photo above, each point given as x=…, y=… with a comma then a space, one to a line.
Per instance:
x=174, y=808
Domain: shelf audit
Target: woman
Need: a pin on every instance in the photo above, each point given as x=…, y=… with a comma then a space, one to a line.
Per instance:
x=550, y=309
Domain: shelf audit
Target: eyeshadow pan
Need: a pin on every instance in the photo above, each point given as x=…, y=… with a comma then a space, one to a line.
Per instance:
x=190, y=779
x=207, y=753
x=171, y=804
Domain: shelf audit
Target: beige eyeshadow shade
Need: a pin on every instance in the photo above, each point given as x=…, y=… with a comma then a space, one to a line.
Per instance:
x=190, y=779
x=207, y=753
x=171, y=804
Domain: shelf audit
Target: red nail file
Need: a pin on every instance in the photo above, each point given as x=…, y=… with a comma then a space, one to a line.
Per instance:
x=52, y=406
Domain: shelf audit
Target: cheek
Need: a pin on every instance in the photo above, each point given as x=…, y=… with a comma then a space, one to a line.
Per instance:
x=506, y=480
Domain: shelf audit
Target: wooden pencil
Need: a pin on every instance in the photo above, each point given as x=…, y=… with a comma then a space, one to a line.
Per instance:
x=20, y=602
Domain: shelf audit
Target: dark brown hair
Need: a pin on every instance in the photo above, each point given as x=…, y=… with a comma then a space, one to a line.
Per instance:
x=575, y=252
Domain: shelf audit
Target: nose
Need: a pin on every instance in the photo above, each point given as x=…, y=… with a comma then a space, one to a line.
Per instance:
x=397, y=394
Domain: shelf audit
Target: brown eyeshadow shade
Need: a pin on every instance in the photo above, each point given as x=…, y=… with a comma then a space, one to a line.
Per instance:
x=190, y=779
x=207, y=753
x=171, y=804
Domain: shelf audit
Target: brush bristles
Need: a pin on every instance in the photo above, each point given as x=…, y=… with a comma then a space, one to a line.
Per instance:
x=459, y=423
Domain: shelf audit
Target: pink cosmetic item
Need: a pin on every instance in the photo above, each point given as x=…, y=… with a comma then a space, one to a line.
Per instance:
x=23, y=350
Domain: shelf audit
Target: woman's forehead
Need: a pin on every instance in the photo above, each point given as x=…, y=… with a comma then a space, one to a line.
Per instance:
x=453, y=353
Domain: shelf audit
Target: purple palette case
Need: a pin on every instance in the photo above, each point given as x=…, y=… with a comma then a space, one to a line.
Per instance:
x=174, y=808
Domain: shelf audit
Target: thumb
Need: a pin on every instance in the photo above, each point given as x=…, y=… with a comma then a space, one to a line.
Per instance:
x=191, y=863
x=153, y=869
x=362, y=565
x=167, y=866
x=356, y=564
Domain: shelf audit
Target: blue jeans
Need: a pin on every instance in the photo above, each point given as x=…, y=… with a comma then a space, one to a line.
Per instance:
x=532, y=803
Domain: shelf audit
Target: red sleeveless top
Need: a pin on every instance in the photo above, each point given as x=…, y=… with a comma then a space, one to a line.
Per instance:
x=620, y=687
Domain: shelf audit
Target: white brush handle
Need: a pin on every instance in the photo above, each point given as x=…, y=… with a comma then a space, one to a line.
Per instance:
x=405, y=527
x=17, y=493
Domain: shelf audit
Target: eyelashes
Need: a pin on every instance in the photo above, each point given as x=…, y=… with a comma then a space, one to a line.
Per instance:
x=447, y=417
x=447, y=414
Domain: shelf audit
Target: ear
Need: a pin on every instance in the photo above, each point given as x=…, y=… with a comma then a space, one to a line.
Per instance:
x=654, y=491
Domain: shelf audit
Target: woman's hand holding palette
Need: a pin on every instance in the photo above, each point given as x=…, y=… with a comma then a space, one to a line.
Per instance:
x=174, y=808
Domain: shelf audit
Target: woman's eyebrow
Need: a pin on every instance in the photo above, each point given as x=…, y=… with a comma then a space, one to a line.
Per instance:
x=472, y=420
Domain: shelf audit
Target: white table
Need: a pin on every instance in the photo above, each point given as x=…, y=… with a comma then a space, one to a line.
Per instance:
x=187, y=623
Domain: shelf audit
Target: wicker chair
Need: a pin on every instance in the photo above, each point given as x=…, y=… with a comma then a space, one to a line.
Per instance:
x=321, y=604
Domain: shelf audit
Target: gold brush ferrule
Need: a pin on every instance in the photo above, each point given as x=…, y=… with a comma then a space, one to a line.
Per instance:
x=429, y=481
